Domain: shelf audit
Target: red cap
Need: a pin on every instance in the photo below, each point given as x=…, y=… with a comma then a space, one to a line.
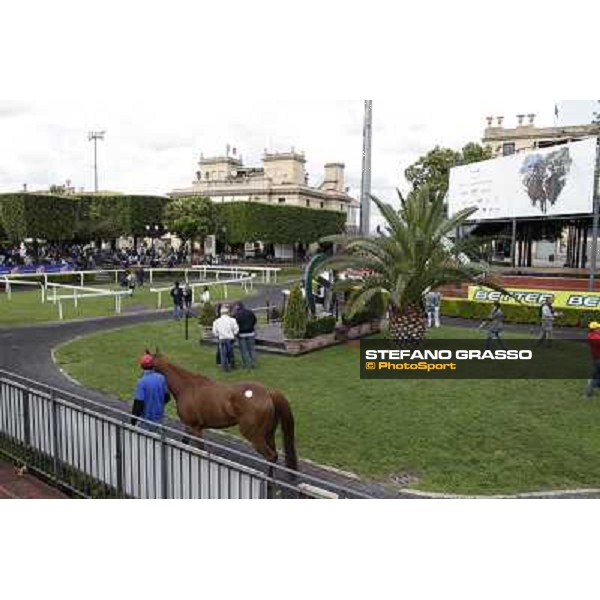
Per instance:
x=147, y=361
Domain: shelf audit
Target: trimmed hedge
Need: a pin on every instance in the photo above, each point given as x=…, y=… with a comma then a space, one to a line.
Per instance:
x=111, y=216
x=58, y=218
x=320, y=326
x=39, y=216
x=467, y=309
x=252, y=221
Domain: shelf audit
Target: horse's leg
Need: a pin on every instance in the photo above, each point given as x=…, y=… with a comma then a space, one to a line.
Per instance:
x=263, y=441
x=194, y=430
x=257, y=436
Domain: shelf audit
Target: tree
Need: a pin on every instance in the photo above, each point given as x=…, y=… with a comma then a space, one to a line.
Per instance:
x=433, y=169
x=295, y=318
x=412, y=256
x=191, y=219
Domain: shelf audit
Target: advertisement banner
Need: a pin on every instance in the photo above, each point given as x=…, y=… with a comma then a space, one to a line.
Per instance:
x=531, y=297
x=546, y=182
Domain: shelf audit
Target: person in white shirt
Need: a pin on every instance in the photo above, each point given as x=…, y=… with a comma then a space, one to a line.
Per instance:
x=205, y=297
x=225, y=328
x=548, y=315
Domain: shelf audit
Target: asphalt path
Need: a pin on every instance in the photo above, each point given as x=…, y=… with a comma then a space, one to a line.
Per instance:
x=27, y=351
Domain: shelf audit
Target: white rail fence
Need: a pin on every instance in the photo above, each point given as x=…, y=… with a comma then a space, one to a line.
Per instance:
x=208, y=276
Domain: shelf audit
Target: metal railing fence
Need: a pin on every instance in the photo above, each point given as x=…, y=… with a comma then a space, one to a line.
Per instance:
x=93, y=451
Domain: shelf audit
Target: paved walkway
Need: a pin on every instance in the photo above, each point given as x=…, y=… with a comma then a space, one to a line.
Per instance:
x=17, y=484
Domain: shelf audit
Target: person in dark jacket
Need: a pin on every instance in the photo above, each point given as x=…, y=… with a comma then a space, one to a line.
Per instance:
x=177, y=295
x=594, y=343
x=246, y=320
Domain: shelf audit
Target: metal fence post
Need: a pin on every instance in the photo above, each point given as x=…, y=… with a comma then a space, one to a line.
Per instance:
x=119, y=457
x=55, y=446
x=164, y=487
x=26, y=419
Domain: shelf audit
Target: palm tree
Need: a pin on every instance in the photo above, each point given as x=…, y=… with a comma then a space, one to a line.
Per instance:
x=411, y=255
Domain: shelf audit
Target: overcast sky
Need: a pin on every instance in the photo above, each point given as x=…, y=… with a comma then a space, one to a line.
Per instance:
x=165, y=90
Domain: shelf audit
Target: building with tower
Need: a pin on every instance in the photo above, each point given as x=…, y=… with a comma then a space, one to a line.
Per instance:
x=280, y=180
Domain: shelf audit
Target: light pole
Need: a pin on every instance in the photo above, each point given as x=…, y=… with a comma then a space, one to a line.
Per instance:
x=94, y=136
x=365, y=187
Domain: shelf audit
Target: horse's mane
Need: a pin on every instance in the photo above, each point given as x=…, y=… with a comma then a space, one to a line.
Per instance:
x=184, y=372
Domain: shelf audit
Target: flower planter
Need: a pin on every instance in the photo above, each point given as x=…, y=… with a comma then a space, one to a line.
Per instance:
x=301, y=346
x=293, y=346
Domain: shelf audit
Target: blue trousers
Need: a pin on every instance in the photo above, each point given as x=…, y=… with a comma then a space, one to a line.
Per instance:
x=248, y=351
x=226, y=352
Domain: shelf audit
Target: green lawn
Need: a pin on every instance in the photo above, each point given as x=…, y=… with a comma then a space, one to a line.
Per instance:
x=26, y=307
x=494, y=436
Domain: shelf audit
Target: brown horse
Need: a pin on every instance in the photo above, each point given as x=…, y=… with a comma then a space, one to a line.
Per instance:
x=206, y=404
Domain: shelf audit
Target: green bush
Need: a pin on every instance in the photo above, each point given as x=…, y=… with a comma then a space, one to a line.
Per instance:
x=374, y=309
x=320, y=326
x=252, y=221
x=515, y=313
x=39, y=216
x=295, y=318
x=207, y=315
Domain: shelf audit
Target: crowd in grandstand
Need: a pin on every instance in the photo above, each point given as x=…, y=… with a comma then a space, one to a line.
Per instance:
x=89, y=257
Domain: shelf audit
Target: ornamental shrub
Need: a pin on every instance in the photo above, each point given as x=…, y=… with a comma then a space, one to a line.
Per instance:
x=320, y=326
x=374, y=309
x=295, y=318
x=207, y=315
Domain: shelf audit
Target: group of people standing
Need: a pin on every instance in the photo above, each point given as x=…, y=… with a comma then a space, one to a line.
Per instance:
x=231, y=323
x=227, y=327
x=495, y=324
x=183, y=298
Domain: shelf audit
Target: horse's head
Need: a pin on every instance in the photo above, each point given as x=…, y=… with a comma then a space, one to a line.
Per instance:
x=158, y=359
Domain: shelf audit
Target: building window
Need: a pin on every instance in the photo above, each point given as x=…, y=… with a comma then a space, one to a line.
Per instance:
x=508, y=148
x=308, y=204
x=281, y=200
x=342, y=207
x=322, y=204
x=207, y=175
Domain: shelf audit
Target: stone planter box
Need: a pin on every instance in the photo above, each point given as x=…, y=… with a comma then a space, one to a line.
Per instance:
x=357, y=331
x=206, y=333
x=301, y=346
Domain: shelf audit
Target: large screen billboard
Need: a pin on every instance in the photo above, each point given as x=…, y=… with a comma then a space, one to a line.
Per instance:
x=546, y=182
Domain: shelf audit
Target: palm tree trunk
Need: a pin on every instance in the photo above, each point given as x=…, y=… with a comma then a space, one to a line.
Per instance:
x=407, y=326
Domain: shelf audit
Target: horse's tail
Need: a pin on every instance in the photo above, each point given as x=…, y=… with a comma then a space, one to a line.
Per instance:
x=283, y=413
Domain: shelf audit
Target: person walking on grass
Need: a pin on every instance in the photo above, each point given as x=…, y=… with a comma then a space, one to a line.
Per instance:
x=494, y=325
x=246, y=320
x=593, y=338
x=205, y=296
x=177, y=295
x=433, y=300
x=547, y=315
x=131, y=282
x=187, y=296
x=151, y=394
x=225, y=329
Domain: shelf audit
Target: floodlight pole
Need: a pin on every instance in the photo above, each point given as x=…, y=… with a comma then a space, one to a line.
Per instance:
x=594, y=257
x=365, y=187
x=95, y=136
